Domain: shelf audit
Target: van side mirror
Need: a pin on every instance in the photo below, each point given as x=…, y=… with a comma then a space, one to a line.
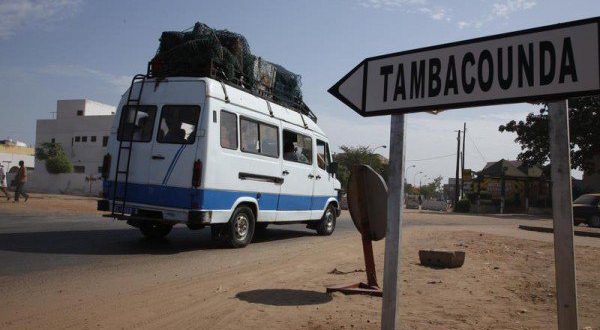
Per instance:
x=332, y=168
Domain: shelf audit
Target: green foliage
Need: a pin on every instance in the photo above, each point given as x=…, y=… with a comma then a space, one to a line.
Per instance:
x=356, y=156
x=56, y=160
x=584, y=120
x=432, y=189
x=463, y=206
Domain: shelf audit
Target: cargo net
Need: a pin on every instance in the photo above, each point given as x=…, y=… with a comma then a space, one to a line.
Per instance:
x=206, y=52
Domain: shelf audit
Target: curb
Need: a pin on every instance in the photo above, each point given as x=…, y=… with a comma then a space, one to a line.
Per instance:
x=551, y=230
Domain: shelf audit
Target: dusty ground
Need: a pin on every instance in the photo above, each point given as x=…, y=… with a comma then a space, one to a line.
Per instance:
x=49, y=205
x=507, y=282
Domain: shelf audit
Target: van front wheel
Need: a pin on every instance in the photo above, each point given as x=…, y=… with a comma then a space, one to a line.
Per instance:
x=326, y=225
x=155, y=229
x=241, y=227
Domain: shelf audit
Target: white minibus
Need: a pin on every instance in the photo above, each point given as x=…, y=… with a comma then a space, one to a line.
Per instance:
x=201, y=152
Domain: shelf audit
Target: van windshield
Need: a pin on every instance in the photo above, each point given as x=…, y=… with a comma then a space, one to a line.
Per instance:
x=178, y=124
x=137, y=126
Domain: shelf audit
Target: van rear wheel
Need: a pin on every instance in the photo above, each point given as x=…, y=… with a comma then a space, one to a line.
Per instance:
x=155, y=229
x=326, y=225
x=240, y=228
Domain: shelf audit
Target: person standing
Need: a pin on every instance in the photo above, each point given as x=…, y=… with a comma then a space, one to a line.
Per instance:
x=3, y=182
x=21, y=181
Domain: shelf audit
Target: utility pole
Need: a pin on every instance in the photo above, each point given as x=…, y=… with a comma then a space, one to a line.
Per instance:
x=456, y=187
x=462, y=167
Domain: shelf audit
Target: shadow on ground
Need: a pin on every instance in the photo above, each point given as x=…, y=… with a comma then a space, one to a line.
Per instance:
x=126, y=241
x=284, y=297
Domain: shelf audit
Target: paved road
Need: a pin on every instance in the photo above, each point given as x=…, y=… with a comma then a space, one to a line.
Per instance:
x=35, y=243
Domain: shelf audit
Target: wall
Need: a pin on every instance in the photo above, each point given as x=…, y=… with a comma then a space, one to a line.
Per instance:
x=68, y=183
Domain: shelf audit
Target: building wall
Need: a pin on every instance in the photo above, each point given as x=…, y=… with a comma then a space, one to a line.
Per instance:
x=83, y=139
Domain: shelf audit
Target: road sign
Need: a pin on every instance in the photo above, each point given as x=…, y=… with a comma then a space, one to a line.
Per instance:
x=551, y=62
x=367, y=202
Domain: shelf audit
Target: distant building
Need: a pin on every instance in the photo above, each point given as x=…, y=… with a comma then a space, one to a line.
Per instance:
x=520, y=186
x=11, y=152
x=82, y=128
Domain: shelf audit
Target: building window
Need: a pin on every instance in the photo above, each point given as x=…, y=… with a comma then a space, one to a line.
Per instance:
x=53, y=140
x=80, y=112
x=259, y=138
x=93, y=138
x=104, y=141
x=77, y=138
x=79, y=169
x=228, y=130
x=297, y=147
x=84, y=139
x=178, y=124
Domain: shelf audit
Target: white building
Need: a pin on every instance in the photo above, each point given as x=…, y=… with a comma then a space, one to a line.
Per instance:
x=82, y=128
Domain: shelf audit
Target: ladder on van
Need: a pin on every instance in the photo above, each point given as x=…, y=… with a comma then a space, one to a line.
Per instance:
x=126, y=143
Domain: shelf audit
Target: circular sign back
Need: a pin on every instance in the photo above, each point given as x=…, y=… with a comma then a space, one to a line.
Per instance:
x=367, y=201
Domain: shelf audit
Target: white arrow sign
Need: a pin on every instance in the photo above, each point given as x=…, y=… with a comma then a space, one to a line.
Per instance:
x=551, y=62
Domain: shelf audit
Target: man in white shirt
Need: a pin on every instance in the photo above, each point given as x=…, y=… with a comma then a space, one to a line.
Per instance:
x=3, y=182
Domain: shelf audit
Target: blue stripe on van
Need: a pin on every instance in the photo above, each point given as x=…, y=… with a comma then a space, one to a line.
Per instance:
x=212, y=199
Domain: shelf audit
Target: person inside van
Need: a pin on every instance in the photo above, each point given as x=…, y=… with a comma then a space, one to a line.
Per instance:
x=175, y=134
x=289, y=152
x=143, y=129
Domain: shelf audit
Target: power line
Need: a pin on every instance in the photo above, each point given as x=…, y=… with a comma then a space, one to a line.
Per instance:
x=475, y=145
x=431, y=158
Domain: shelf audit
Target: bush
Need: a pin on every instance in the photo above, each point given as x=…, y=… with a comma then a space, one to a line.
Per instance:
x=56, y=160
x=59, y=164
x=463, y=206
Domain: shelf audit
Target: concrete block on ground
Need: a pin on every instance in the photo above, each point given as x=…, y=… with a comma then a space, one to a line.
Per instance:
x=441, y=258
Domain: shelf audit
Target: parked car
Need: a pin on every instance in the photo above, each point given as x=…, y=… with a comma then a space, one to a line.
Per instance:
x=586, y=209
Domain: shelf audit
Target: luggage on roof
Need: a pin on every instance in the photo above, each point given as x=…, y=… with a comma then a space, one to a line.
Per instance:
x=206, y=52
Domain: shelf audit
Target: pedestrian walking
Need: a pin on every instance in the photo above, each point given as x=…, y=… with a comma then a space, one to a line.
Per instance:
x=21, y=181
x=3, y=184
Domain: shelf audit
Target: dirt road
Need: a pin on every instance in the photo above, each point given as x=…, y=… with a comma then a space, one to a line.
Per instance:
x=94, y=274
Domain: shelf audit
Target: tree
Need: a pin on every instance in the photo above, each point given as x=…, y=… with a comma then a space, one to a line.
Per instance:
x=56, y=160
x=584, y=120
x=432, y=189
x=355, y=156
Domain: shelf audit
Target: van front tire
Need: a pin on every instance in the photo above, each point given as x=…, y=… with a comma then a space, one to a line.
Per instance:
x=154, y=230
x=326, y=225
x=240, y=228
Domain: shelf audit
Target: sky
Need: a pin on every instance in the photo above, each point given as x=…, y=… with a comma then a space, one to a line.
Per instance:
x=70, y=49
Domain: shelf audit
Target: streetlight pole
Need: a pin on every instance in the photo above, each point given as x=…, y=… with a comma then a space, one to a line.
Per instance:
x=406, y=171
x=415, y=177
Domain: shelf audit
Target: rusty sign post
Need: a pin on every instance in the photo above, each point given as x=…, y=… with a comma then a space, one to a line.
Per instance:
x=543, y=64
x=367, y=200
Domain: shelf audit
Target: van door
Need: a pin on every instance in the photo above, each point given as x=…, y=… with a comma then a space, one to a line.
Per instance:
x=173, y=155
x=323, y=188
x=298, y=173
x=142, y=126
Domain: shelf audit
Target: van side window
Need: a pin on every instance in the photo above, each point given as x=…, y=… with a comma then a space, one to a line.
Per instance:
x=322, y=154
x=297, y=147
x=178, y=124
x=138, y=127
x=259, y=138
x=228, y=130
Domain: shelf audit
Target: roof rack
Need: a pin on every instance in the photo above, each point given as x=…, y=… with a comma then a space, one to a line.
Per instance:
x=265, y=92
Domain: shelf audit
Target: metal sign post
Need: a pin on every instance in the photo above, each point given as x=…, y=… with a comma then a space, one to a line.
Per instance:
x=562, y=211
x=393, y=241
x=540, y=64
